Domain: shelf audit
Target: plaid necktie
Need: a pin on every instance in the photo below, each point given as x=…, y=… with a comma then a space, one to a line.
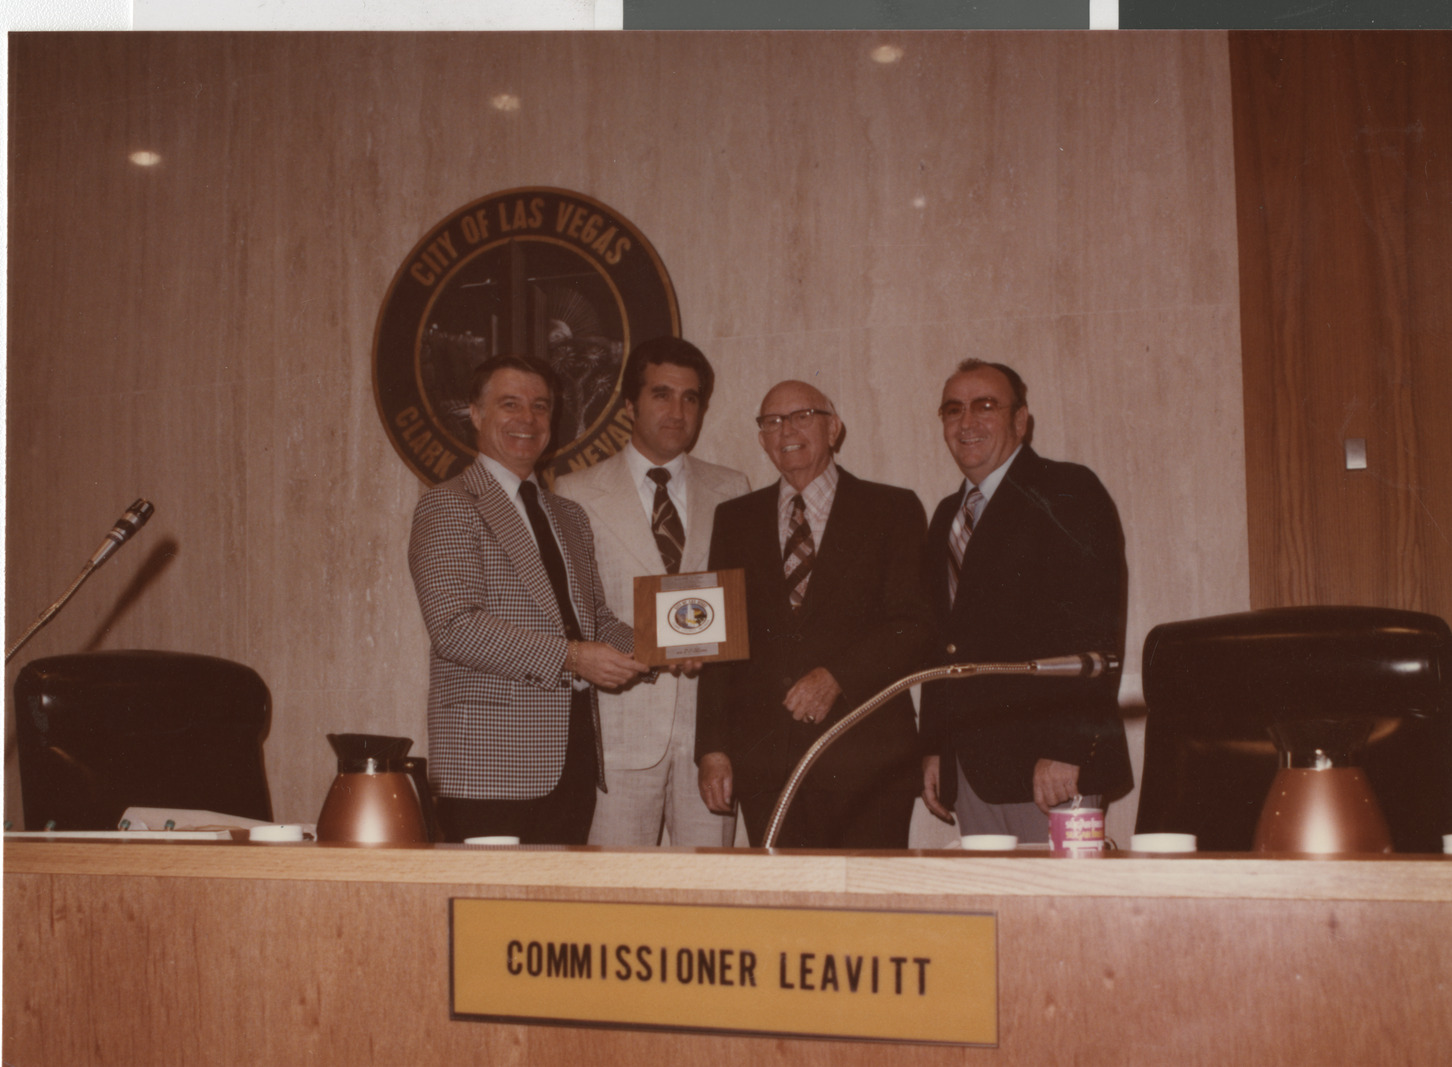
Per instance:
x=958, y=540
x=800, y=549
x=665, y=522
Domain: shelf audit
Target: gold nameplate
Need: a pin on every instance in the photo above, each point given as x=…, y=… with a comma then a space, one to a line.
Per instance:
x=790, y=972
x=701, y=615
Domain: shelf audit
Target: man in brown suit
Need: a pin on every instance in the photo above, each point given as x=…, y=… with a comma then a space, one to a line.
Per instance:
x=518, y=626
x=835, y=612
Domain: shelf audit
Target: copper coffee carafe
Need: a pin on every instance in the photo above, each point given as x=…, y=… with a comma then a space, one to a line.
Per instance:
x=374, y=800
x=1320, y=801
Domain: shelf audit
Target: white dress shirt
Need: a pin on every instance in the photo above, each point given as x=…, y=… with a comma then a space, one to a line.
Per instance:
x=677, y=487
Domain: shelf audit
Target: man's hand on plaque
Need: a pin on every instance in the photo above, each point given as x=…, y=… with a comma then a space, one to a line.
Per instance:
x=601, y=665
x=687, y=667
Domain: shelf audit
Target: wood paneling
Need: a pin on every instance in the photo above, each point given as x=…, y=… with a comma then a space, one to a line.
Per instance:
x=933, y=872
x=200, y=332
x=298, y=954
x=1343, y=145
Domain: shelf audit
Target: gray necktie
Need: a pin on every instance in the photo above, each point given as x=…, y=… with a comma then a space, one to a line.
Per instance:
x=958, y=540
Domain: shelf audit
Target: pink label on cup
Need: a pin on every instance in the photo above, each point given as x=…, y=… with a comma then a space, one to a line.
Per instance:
x=1077, y=830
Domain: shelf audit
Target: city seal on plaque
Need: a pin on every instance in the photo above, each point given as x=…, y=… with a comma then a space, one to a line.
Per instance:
x=690, y=616
x=539, y=272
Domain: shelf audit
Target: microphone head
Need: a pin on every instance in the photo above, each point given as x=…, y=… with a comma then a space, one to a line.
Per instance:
x=135, y=517
x=1079, y=665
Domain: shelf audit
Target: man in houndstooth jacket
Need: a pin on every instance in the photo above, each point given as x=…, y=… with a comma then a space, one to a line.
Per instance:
x=519, y=630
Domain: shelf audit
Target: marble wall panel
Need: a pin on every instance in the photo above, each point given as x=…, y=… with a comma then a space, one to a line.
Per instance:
x=1145, y=405
x=179, y=574
x=202, y=331
x=1160, y=123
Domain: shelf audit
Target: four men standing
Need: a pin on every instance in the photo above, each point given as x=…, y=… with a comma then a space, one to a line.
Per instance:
x=844, y=596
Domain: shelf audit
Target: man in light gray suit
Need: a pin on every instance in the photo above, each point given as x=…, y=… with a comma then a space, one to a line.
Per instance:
x=651, y=508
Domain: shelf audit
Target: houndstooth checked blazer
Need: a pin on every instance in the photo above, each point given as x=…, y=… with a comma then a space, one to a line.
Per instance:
x=499, y=698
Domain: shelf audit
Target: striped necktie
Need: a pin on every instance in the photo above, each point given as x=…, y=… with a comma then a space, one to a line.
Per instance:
x=958, y=540
x=665, y=522
x=799, y=552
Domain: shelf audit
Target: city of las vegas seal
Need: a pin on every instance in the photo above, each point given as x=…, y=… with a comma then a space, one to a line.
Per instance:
x=539, y=272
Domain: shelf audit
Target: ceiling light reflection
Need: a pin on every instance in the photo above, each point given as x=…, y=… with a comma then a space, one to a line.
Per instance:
x=504, y=102
x=144, y=158
x=887, y=53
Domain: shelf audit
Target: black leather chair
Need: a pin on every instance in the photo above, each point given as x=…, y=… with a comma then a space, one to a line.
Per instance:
x=103, y=731
x=1214, y=685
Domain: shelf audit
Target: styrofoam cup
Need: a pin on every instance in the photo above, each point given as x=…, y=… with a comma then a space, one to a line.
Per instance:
x=1162, y=843
x=990, y=842
x=279, y=832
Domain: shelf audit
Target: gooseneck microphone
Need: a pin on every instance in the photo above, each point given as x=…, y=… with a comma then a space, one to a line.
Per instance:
x=1081, y=665
x=133, y=520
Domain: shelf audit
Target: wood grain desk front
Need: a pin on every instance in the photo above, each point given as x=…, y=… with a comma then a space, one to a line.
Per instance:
x=220, y=953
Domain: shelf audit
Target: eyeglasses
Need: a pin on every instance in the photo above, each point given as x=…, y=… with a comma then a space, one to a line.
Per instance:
x=950, y=410
x=801, y=419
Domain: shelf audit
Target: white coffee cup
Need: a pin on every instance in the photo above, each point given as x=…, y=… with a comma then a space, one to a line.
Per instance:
x=1447, y=844
x=990, y=842
x=279, y=832
x=493, y=839
x=1162, y=843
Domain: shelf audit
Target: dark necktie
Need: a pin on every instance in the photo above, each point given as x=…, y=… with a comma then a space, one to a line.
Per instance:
x=549, y=554
x=665, y=522
x=958, y=540
x=797, y=556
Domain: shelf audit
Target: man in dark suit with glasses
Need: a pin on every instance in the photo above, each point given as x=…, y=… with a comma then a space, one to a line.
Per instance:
x=1025, y=560
x=835, y=613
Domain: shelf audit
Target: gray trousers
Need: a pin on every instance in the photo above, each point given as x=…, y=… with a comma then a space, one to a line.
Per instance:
x=642, y=801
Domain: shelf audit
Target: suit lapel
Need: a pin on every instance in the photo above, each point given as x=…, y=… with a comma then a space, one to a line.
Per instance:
x=704, y=495
x=999, y=514
x=835, y=551
x=763, y=549
x=1000, y=520
x=937, y=552
x=577, y=564
x=621, y=510
x=500, y=515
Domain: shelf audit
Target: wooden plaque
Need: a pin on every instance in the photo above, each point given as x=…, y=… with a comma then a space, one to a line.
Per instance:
x=710, y=612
